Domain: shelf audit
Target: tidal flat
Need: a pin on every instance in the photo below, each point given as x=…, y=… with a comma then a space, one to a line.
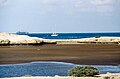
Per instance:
x=84, y=54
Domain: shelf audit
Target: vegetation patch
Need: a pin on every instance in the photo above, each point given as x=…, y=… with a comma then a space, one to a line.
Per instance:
x=83, y=71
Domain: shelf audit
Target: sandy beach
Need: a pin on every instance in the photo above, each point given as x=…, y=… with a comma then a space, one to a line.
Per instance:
x=90, y=54
x=101, y=76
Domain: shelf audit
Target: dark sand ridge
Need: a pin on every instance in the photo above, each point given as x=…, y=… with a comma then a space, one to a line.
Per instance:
x=93, y=54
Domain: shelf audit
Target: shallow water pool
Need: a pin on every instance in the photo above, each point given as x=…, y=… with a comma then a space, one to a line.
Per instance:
x=46, y=69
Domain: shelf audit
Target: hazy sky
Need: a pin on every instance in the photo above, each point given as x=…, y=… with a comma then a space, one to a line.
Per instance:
x=60, y=15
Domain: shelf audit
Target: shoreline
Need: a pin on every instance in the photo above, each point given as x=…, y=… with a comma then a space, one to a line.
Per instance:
x=101, y=76
x=14, y=39
x=19, y=63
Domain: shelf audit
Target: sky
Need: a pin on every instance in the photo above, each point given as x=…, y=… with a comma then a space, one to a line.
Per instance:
x=60, y=15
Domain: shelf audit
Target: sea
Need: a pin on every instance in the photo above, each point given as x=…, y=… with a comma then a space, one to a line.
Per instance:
x=72, y=35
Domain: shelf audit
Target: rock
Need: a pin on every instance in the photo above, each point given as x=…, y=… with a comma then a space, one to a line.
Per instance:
x=6, y=38
x=49, y=41
x=4, y=41
x=103, y=40
x=110, y=76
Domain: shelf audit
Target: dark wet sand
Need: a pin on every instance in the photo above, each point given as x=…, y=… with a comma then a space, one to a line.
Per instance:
x=92, y=54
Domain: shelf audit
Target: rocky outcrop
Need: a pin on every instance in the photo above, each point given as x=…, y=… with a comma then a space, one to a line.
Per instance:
x=6, y=38
x=4, y=41
x=102, y=40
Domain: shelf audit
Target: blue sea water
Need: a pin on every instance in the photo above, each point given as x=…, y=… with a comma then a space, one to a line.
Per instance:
x=72, y=35
x=46, y=69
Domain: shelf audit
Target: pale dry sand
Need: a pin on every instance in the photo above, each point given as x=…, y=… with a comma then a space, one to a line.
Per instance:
x=102, y=76
x=52, y=78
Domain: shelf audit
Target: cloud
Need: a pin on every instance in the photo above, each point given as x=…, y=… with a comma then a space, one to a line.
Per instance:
x=83, y=6
x=3, y=2
x=52, y=1
x=106, y=6
x=104, y=9
x=98, y=6
x=48, y=1
x=67, y=6
x=102, y=2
